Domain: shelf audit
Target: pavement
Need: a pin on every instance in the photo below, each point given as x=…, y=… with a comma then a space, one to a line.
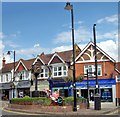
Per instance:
x=107, y=108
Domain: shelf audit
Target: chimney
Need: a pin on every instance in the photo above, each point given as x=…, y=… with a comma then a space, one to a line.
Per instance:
x=42, y=53
x=3, y=62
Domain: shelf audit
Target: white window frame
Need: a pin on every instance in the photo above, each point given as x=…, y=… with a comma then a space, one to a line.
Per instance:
x=99, y=67
x=1, y=78
x=45, y=72
x=7, y=79
x=58, y=71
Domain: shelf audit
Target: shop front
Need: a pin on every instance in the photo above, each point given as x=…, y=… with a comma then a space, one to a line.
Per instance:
x=106, y=89
x=63, y=88
x=23, y=88
x=5, y=90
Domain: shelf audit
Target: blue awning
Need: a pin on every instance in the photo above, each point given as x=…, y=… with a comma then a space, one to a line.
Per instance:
x=101, y=82
x=59, y=83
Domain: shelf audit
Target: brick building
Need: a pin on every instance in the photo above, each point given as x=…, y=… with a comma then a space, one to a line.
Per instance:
x=57, y=67
x=107, y=72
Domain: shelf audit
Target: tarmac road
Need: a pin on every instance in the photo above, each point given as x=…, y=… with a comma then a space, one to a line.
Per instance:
x=8, y=113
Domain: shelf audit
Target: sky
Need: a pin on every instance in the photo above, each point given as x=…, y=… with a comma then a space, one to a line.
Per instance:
x=31, y=28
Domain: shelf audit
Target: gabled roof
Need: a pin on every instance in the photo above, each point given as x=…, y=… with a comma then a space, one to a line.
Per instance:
x=56, y=55
x=64, y=56
x=8, y=67
x=98, y=48
x=117, y=67
x=21, y=61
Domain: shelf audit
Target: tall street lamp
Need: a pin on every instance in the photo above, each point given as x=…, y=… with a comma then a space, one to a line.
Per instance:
x=8, y=53
x=97, y=101
x=70, y=7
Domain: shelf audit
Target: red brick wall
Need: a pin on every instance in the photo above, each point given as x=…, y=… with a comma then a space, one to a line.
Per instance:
x=118, y=90
x=107, y=69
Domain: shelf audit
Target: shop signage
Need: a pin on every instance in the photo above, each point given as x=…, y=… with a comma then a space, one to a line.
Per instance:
x=24, y=84
x=6, y=85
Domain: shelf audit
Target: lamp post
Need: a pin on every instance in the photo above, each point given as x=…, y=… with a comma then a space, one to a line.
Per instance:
x=36, y=69
x=8, y=53
x=97, y=101
x=70, y=7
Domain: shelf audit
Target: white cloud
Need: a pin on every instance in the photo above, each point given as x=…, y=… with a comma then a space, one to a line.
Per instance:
x=61, y=48
x=2, y=35
x=11, y=44
x=110, y=47
x=81, y=34
x=36, y=45
x=107, y=35
x=111, y=19
x=31, y=52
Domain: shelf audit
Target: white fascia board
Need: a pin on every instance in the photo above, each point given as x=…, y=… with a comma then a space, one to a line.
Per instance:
x=53, y=58
x=19, y=64
x=39, y=59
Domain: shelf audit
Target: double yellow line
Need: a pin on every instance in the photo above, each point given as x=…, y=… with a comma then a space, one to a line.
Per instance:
x=21, y=113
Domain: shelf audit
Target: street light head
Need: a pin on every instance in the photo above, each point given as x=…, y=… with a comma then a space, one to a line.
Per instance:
x=68, y=6
x=8, y=53
x=94, y=25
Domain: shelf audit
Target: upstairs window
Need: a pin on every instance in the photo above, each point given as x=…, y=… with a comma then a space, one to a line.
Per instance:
x=6, y=77
x=44, y=73
x=1, y=78
x=59, y=71
x=91, y=70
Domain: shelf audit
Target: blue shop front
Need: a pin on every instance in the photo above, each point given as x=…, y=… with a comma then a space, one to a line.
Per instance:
x=64, y=88
x=107, y=89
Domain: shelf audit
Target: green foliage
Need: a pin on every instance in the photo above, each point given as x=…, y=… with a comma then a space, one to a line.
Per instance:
x=70, y=100
x=70, y=78
x=31, y=100
x=80, y=78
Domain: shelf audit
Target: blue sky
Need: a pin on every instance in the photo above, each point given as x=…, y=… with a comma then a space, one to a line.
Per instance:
x=31, y=28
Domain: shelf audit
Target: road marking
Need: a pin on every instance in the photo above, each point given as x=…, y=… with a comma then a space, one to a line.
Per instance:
x=22, y=113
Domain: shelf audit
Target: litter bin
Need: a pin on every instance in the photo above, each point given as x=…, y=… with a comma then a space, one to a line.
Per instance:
x=97, y=102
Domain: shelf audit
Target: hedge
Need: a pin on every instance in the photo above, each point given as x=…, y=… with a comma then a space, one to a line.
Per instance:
x=70, y=100
x=44, y=100
x=31, y=100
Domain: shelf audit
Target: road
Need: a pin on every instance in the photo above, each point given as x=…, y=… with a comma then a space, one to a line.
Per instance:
x=8, y=113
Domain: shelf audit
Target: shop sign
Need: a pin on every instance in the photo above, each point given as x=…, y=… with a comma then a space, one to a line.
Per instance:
x=6, y=85
x=24, y=84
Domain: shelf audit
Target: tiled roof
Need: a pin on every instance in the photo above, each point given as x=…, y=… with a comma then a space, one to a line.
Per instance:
x=8, y=67
x=65, y=55
x=28, y=63
x=118, y=66
x=46, y=57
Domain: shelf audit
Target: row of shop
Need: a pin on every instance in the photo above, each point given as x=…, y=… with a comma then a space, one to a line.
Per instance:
x=107, y=89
